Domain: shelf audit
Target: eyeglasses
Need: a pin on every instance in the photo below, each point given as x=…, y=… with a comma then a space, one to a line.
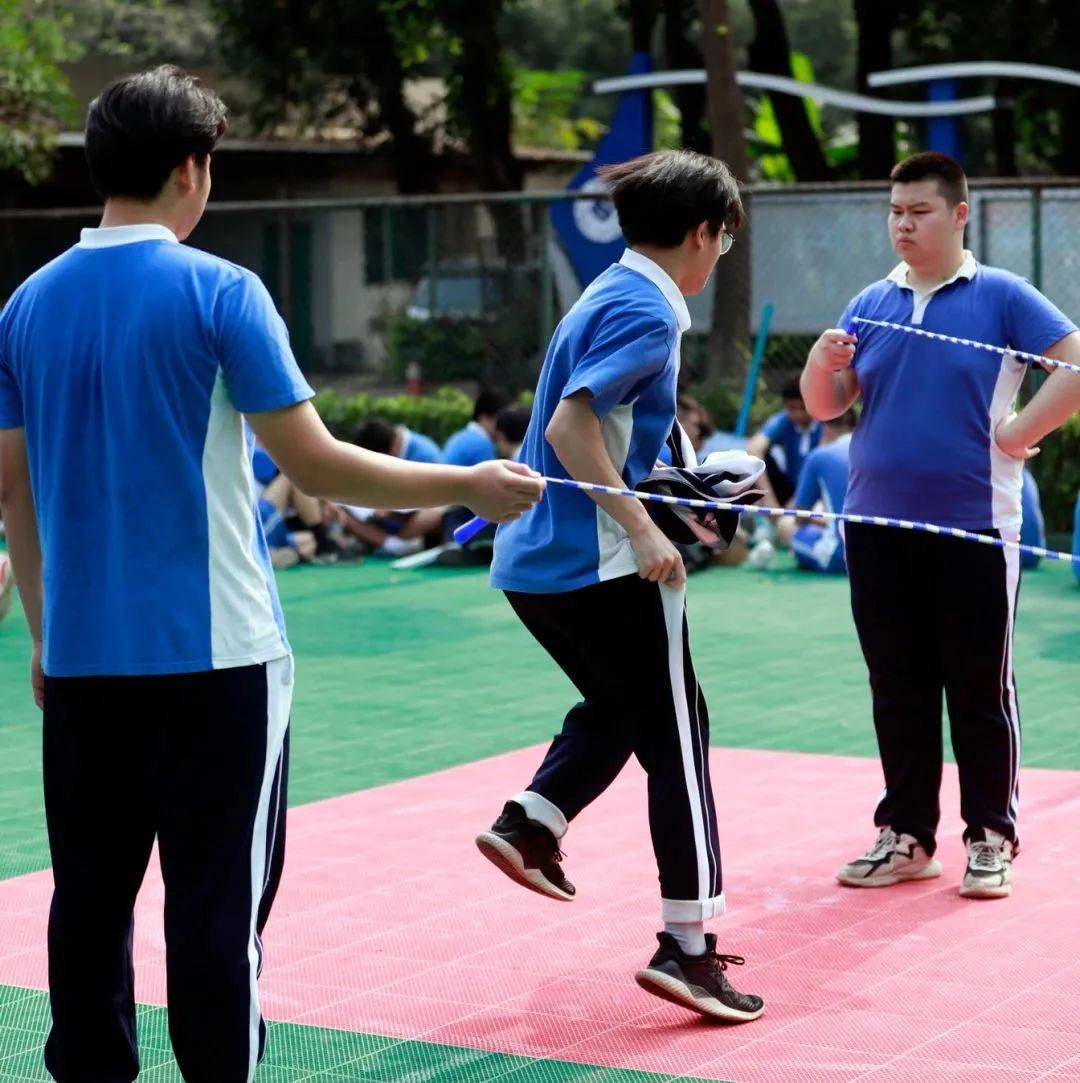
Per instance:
x=726, y=241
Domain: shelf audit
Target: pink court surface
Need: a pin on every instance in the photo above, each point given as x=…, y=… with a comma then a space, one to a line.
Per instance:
x=390, y=923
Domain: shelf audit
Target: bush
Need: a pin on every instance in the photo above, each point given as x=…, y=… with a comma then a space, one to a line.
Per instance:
x=723, y=400
x=446, y=349
x=438, y=415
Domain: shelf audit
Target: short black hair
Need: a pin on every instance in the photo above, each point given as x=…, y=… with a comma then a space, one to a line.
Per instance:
x=661, y=196
x=933, y=165
x=488, y=404
x=513, y=422
x=141, y=127
x=791, y=391
x=375, y=434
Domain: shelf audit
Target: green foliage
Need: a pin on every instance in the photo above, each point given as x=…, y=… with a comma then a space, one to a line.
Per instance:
x=35, y=100
x=439, y=415
x=723, y=400
x=1057, y=470
x=667, y=122
x=544, y=106
x=445, y=349
x=142, y=32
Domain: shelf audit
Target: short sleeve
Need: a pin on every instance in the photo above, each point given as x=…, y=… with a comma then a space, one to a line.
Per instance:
x=11, y=410
x=849, y=313
x=1032, y=322
x=628, y=352
x=807, y=491
x=777, y=427
x=256, y=359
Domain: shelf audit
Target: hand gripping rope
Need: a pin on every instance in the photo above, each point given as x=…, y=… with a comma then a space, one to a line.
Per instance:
x=474, y=526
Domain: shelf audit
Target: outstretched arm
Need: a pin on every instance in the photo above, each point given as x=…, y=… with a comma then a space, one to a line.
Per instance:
x=323, y=466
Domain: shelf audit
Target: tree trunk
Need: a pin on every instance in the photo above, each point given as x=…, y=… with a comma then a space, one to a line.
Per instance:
x=413, y=159
x=728, y=338
x=681, y=53
x=771, y=53
x=642, y=15
x=483, y=94
x=876, y=20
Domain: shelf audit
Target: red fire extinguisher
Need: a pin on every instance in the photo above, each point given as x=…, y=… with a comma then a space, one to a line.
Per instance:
x=413, y=382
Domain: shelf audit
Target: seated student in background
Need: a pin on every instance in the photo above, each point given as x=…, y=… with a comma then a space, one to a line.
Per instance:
x=476, y=442
x=823, y=482
x=784, y=442
x=297, y=526
x=696, y=423
x=375, y=434
x=511, y=424
x=1032, y=528
x=387, y=531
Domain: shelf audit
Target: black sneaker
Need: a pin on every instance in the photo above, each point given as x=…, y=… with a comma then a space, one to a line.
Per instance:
x=527, y=852
x=697, y=982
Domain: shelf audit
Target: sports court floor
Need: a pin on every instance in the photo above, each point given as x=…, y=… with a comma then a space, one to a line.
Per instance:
x=396, y=953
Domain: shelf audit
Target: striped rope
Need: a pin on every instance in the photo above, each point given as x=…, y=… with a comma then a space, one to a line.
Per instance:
x=1031, y=358
x=830, y=516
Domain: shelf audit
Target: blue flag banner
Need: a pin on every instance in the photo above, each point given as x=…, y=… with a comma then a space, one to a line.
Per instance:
x=589, y=229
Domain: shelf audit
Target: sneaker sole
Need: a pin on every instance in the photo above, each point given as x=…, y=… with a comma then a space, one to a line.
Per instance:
x=504, y=857
x=931, y=869
x=671, y=989
x=986, y=891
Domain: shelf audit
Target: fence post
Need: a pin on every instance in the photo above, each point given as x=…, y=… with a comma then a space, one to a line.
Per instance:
x=755, y=368
x=1036, y=237
x=546, y=297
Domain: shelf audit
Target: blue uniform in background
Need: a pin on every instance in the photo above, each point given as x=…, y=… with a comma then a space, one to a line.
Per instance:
x=823, y=479
x=1033, y=528
x=419, y=448
x=469, y=446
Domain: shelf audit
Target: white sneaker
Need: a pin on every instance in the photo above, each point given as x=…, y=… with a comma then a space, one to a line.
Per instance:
x=892, y=859
x=761, y=555
x=989, y=868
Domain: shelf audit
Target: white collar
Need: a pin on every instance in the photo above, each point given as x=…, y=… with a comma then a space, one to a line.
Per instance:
x=662, y=281
x=111, y=236
x=967, y=269
x=475, y=426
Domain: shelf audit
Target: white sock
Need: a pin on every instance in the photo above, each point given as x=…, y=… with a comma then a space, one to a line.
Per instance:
x=542, y=811
x=689, y=934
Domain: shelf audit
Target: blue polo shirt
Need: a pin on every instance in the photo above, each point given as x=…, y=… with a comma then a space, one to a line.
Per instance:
x=469, y=446
x=619, y=342
x=129, y=361
x=924, y=446
x=418, y=448
x=790, y=445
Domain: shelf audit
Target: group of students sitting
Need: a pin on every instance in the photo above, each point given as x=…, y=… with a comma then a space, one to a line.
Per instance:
x=300, y=529
x=806, y=468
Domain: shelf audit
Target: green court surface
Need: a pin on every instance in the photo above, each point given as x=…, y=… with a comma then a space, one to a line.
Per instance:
x=403, y=673
x=296, y=1053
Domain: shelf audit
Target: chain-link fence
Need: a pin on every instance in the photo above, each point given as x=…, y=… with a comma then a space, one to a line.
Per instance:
x=468, y=288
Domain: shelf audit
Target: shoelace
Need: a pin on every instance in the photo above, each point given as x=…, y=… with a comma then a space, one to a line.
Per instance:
x=723, y=960
x=887, y=840
x=985, y=855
